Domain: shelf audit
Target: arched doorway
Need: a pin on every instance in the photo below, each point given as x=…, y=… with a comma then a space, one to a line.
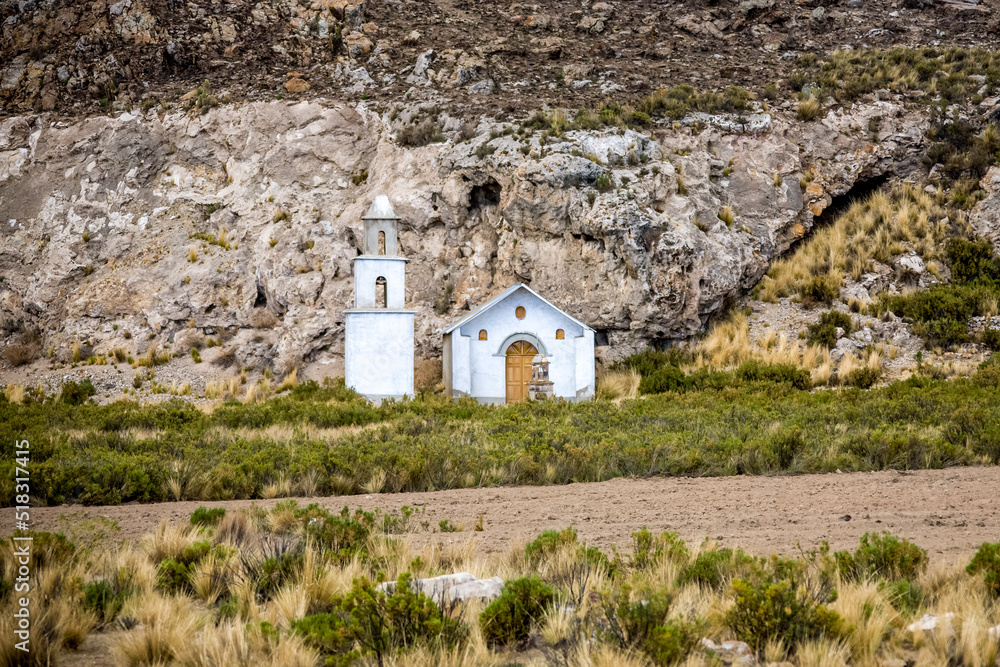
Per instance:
x=519, y=356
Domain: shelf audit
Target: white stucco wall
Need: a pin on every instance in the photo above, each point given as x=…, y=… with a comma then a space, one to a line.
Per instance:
x=368, y=269
x=378, y=353
x=461, y=373
x=478, y=368
x=586, y=381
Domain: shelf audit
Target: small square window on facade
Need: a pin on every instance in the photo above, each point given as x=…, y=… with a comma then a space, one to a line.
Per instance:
x=519, y=312
x=482, y=334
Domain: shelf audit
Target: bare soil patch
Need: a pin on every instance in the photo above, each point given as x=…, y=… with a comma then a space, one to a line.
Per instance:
x=948, y=512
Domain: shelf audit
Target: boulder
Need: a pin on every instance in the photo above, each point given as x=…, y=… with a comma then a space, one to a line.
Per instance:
x=730, y=652
x=911, y=263
x=934, y=625
x=297, y=85
x=454, y=587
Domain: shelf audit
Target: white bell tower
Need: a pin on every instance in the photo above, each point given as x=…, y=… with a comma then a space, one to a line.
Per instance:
x=378, y=346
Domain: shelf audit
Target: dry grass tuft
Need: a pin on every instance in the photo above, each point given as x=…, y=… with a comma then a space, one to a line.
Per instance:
x=290, y=381
x=259, y=392
x=868, y=612
x=823, y=653
x=618, y=385
x=878, y=228
x=169, y=623
x=169, y=540
x=279, y=488
x=808, y=109
x=377, y=481
x=14, y=393
x=728, y=344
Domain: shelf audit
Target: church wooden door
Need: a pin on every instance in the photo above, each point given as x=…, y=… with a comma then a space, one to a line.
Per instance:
x=519, y=356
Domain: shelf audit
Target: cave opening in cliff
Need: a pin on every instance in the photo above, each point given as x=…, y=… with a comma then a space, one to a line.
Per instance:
x=261, y=300
x=487, y=194
x=839, y=204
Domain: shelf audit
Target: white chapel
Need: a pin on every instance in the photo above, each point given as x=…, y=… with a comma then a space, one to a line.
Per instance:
x=494, y=354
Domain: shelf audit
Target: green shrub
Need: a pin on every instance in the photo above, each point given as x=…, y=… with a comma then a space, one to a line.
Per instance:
x=77, y=393
x=649, y=360
x=638, y=619
x=820, y=289
x=508, y=619
x=331, y=634
x=766, y=610
x=991, y=339
x=786, y=446
x=753, y=371
x=906, y=596
x=824, y=332
x=648, y=549
x=173, y=576
x=207, y=517
x=941, y=313
x=49, y=549
x=942, y=333
x=972, y=261
x=267, y=576
x=105, y=599
x=987, y=561
x=988, y=373
x=377, y=622
x=884, y=556
x=864, y=377
x=603, y=183
x=547, y=543
x=713, y=567
x=664, y=379
x=343, y=534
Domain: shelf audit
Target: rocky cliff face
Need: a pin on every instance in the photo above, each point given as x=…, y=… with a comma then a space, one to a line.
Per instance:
x=241, y=223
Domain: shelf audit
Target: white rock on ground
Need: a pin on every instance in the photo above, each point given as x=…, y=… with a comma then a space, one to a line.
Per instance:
x=454, y=587
x=930, y=624
x=730, y=652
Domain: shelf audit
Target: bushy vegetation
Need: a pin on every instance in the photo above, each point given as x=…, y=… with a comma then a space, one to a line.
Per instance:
x=884, y=556
x=987, y=562
x=673, y=104
x=770, y=610
x=941, y=313
x=753, y=419
x=207, y=517
x=521, y=604
x=945, y=76
x=824, y=332
x=259, y=588
x=371, y=621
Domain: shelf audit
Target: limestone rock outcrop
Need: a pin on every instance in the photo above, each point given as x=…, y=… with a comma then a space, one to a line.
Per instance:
x=242, y=222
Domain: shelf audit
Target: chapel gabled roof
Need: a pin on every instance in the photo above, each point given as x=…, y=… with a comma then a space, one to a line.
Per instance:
x=501, y=297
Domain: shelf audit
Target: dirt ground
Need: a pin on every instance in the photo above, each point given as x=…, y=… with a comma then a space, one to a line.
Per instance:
x=948, y=512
